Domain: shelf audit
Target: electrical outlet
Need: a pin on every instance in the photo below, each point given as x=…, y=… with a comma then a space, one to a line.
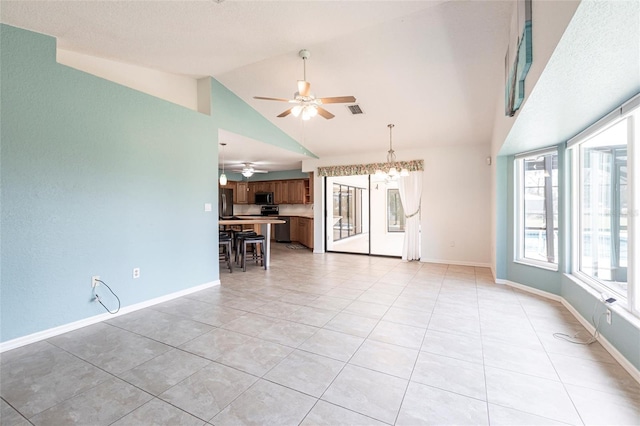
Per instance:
x=95, y=281
x=136, y=273
x=609, y=316
x=452, y=244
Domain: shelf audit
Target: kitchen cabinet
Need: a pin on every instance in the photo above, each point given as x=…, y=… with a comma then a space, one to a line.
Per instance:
x=241, y=193
x=290, y=191
x=296, y=191
x=293, y=228
x=305, y=231
x=251, y=193
x=280, y=192
x=230, y=185
x=308, y=191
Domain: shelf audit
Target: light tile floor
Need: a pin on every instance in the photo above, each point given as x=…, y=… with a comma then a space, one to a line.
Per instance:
x=325, y=340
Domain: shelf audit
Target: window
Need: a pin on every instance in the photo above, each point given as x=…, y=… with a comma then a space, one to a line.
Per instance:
x=603, y=207
x=605, y=192
x=395, y=212
x=537, y=208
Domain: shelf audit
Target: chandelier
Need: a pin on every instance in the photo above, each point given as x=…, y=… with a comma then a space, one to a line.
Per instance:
x=393, y=173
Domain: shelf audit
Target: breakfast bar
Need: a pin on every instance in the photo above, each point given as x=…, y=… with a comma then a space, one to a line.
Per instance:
x=265, y=229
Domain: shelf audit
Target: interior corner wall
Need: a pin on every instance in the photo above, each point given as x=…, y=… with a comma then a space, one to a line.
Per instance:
x=500, y=217
x=97, y=179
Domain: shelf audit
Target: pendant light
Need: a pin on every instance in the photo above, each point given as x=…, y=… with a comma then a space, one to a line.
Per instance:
x=223, y=177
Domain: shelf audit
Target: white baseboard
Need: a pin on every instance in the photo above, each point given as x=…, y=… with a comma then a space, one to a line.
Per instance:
x=624, y=362
x=532, y=290
x=456, y=262
x=46, y=334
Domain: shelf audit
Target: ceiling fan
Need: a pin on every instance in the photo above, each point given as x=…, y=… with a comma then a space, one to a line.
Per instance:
x=306, y=103
x=247, y=170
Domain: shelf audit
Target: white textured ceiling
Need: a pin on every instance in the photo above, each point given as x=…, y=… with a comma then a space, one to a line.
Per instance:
x=593, y=70
x=430, y=67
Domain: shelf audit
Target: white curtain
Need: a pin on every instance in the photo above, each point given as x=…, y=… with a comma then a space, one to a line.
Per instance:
x=410, y=189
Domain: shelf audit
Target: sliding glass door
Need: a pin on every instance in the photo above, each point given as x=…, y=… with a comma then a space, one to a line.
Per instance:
x=348, y=224
x=363, y=216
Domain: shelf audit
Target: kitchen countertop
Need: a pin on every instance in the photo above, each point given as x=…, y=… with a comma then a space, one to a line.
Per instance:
x=246, y=217
x=256, y=220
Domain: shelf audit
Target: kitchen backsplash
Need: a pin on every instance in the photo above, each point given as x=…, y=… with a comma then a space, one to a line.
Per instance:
x=285, y=209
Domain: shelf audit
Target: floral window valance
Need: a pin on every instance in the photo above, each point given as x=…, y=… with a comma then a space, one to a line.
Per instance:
x=369, y=169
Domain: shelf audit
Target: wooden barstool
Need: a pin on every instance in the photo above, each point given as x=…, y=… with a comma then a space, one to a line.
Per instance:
x=224, y=242
x=239, y=236
x=253, y=240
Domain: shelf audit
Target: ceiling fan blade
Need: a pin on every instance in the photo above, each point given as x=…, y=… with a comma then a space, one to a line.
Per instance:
x=304, y=88
x=285, y=113
x=337, y=100
x=326, y=114
x=271, y=99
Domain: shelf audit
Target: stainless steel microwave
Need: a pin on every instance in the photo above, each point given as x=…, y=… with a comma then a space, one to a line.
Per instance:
x=264, y=197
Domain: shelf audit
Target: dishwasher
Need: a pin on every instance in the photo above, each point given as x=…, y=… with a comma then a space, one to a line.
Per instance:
x=283, y=230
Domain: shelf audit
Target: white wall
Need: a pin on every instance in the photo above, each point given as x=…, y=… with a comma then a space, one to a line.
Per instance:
x=456, y=203
x=174, y=88
x=456, y=206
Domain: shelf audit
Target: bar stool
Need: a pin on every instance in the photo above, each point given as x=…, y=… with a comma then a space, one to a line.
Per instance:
x=238, y=243
x=224, y=242
x=253, y=241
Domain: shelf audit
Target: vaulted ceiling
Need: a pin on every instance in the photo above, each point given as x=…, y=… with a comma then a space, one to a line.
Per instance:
x=433, y=68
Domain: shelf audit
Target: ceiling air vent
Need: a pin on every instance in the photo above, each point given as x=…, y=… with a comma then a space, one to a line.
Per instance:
x=355, y=109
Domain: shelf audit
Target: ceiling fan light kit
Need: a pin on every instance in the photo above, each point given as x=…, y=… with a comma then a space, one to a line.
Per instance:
x=307, y=105
x=248, y=170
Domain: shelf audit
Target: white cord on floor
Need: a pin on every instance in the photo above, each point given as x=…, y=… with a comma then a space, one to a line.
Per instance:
x=596, y=323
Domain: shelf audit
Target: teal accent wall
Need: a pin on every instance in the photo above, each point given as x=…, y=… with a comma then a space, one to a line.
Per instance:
x=98, y=179
x=233, y=114
x=501, y=217
x=260, y=177
x=621, y=333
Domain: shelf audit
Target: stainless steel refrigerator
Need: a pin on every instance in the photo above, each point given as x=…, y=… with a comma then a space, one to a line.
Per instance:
x=225, y=203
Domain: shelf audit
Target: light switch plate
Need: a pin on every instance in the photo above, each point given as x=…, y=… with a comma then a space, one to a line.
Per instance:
x=207, y=207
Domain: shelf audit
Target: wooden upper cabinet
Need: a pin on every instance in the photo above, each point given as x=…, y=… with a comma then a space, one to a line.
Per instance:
x=292, y=191
x=280, y=192
x=308, y=194
x=296, y=191
x=251, y=193
x=241, y=194
x=230, y=185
